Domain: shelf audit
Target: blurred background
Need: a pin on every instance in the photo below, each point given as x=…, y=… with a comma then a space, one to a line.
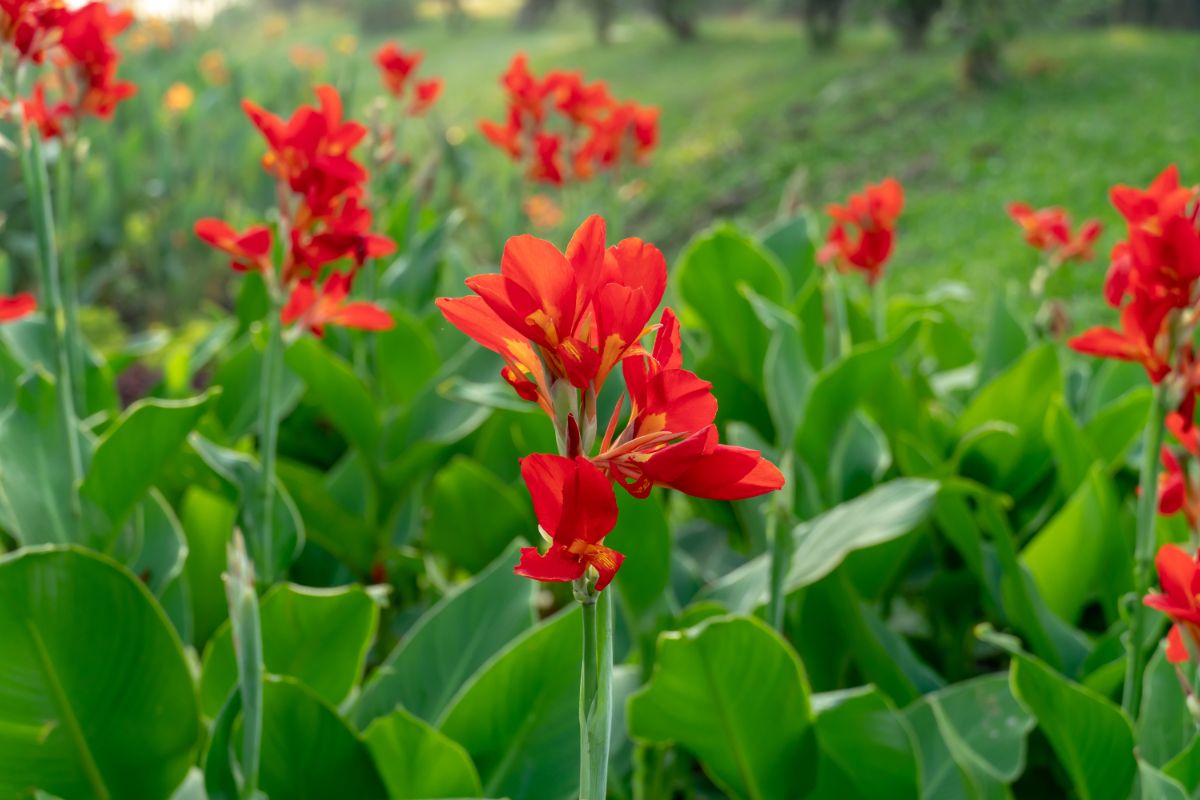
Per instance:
x=769, y=108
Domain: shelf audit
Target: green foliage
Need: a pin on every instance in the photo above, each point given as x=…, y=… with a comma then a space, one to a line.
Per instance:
x=715, y=689
x=67, y=724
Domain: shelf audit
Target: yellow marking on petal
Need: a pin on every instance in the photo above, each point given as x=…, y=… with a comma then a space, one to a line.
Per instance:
x=542, y=320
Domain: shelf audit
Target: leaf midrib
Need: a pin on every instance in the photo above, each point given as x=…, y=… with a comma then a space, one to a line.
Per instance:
x=74, y=731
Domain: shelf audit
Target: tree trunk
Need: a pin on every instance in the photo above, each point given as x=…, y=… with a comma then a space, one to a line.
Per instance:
x=602, y=13
x=675, y=15
x=534, y=13
x=823, y=19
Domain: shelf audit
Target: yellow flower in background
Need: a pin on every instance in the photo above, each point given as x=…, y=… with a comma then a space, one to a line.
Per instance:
x=346, y=44
x=179, y=98
x=274, y=26
x=308, y=59
x=213, y=68
x=543, y=212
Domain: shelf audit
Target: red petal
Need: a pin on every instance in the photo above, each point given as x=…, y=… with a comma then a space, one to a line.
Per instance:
x=17, y=306
x=1176, y=571
x=364, y=316
x=1177, y=652
x=555, y=566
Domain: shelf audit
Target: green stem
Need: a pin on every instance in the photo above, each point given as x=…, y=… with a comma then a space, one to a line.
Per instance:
x=1143, y=552
x=268, y=428
x=246, y=628
x=839, y=343
x=70, y=284
x=35, y=176
x=879, y=309
x=781, y=559
x=595, y=692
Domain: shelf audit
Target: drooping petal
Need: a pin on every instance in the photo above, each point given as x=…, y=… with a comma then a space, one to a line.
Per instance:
x=555, y=565
x=17, y=306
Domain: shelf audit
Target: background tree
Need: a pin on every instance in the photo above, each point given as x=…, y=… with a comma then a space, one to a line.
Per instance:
x=912, y=20
x=679, y=16
x=823, y=19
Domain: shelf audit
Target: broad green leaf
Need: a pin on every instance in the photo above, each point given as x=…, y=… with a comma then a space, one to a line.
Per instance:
x=240, y=476
x=416, y=761
x=406, y=359
x=1073, y=455
x=643, y=535
x=240, y=376
x=791, y=242
x=972, y=738
x=1006, y=338
x=339, y=393
x=1006, y=465
x=787, y=379
x=733, y=693
x=35, y=476
x=1080, y=553
x=860, y=726
x=820, y=545
x=320, y=637
x=78, y=634
x=519, y=716
x=448, y=645
x=883, y=514
x=1092, y=737
x=709, y=274
x=473, y=516
x=1115, y=427
x=348, y=536
x=1158, y=786
x=309, y=752
x=839, y=389
x=207, y=520
x=1185, y=767
x=1164, y=726
x=153, y=545
x=127, y=460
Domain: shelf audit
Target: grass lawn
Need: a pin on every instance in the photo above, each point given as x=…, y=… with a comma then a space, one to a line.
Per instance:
x=750, y=113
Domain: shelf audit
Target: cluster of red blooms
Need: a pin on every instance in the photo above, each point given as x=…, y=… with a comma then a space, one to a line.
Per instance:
x=322, y=217
x=1153, y=279
x=563, y=322
x=1049, y=230
x=595, y=131
x=396, y=67
x=78, y=44
x=864, y=230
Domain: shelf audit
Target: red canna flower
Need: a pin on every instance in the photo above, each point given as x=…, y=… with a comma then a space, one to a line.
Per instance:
x=16, y=306
x=49, y=118
x=1140, y=339
x=526, y=93
x=251, y=250
x=31, y=26
x=670, y=439
x=546, y=166
x=581, y=311
x=1045, y=229
x=395, y=66
x=312, y=310
x=425, y=94
x=311, y=152
x=86, y=38
x=645, y=131
x=863, y=230
x=346, y=234
x=1179, y=576
x=507, y=137
x=575, y=509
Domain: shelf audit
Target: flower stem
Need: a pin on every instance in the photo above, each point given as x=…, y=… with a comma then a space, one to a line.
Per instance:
x=36, y=179
x=246, y=629
x=839, y=341
x=595, y=692
x=879, y=309
x=779, y=531
x=70, y=284
x=268, y=428
x=1143, y=552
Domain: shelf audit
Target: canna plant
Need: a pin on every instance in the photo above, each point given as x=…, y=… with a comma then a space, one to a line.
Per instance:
x=563, y=322
x=323, y=231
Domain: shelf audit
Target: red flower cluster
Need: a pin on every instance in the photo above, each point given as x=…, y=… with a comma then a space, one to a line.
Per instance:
x=562, y=322
x=1049, y=230
x=1154, y=272
x=323, y=220
x=864, y=230
x=1178, y=487
x=396, y=67
x=594, y=131
x=79, y=44
x=1179, y=576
